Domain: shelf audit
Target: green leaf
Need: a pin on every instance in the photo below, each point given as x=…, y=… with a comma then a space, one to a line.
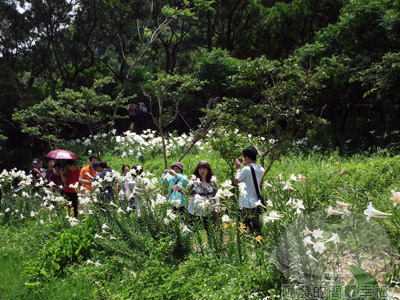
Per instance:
x=363, y=278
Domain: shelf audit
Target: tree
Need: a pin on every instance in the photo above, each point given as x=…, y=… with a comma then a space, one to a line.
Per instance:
x=165, y=95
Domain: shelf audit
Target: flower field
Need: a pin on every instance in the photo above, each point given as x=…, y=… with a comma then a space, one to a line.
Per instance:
x=330, y=229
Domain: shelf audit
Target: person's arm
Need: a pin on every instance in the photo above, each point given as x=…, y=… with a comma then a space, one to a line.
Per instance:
x=37, y=171
x=238, y=171
x=64, y=178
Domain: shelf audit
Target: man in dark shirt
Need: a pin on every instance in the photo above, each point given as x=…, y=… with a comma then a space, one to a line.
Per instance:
x=37, y=172
x=50, y=169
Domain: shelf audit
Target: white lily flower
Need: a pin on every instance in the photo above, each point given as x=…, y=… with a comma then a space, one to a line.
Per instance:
x=273, y=216
x=310, y=256
x=371, y=212
x=227, y=193
x=288, y=186
x=307, y=231
x=395, y=198
x=293, y=177
x=185, y=229
x=226, y=219
x=104, y=227
x=227, y=184
x=319, y=247
x=242, y=189
x=317, y=233
x=332, y=212
x=307, y=241
x=175, y=202
x=258, y=203
x=266, y=184
x=113, y=204
x=301, y=178
x=334, y=238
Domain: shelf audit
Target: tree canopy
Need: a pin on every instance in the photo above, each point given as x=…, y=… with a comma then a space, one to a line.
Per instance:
x=277, y=69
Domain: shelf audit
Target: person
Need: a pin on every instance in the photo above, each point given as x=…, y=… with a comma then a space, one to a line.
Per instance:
x=37, y=171
x=71, y=177
x=249, y=212
x=202, y=204
x=105, y=176
x=87, y=175
x=55, y=177
x=177, y=182
x=123, y=191
x=50, y=169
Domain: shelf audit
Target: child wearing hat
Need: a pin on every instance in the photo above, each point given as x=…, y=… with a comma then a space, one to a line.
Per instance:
x=177, y=182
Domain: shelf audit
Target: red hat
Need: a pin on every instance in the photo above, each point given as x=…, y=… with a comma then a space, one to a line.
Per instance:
x=178, y=164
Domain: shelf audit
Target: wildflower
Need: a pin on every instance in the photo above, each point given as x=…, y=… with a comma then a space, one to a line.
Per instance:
x=226, y=219
x=310, y=255
x=301, y=178
x=104, y=227
x=273, y=215
x=307, y=231
x=227, y=184
x=33, y=214
x=170, y=214
x=319, y=247
x=175, y=202
x=227, y=193
x=269, y=203
x=120, y=210
x=50, y=207
x=74, y=186
x=225, y=225
x=22, y=216
x=113, y=237
x=185, y=229
x=166, y=221
x=242, y=188
x=332, y=212
x=242, y=227
x=161, y=199
x=342, y=205
x=317, y=233
x=293, y=177
x=41, y=222
x=395, y=198
x=334, y=238
x=266, y=184
x=307, y=241
x=288, y=186
x=371, y=212
x=259, y=238
x=97, y=264
x=96, y=236
x=7, y=210
x=113, y=204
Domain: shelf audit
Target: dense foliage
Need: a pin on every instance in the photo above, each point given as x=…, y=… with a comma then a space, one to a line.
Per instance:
x=336, y=61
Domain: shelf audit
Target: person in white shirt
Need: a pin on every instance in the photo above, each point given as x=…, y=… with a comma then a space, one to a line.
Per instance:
x=248, y=196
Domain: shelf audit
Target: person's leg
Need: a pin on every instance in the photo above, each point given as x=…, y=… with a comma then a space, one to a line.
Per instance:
x=75, y=204
x=255, y=220
x=244, y=217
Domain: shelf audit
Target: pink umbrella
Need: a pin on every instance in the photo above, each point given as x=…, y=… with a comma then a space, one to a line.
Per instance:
x=61, y=154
